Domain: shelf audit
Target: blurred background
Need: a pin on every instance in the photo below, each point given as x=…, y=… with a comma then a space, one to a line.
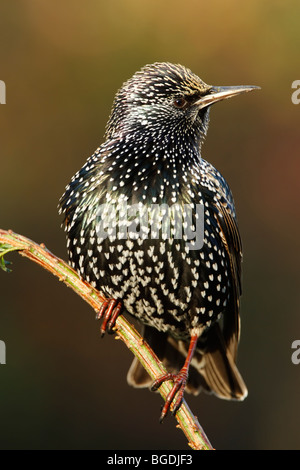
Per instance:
x=62, y=62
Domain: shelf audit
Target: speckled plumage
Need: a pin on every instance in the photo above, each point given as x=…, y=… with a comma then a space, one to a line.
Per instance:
x=152, y=155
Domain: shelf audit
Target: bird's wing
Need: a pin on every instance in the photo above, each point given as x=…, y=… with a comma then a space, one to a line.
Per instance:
x=231, y=239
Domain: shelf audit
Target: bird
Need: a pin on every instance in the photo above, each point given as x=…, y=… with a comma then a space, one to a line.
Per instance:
x=152, y=225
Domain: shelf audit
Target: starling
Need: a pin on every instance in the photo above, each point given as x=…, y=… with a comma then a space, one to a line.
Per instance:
x=125, y=215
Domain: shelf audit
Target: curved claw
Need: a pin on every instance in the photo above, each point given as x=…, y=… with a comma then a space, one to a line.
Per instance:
x=180, y=380
x=163, y=378
x=109, y=311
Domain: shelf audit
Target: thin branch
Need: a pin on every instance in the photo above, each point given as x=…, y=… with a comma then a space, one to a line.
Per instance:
x=10, y=241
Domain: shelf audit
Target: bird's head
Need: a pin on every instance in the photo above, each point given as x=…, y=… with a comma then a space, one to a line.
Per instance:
x=166, y=99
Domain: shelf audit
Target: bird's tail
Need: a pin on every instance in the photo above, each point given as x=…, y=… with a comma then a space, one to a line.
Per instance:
x=213, y=368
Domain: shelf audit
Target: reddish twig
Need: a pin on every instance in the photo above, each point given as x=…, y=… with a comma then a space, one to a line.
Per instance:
x=10, y=241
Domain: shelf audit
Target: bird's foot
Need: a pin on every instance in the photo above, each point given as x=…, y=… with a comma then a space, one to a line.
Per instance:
x=179, y=380
x=109, y=311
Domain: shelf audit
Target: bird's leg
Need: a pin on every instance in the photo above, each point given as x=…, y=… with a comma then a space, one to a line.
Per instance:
x=179, y=380
x=109, y=311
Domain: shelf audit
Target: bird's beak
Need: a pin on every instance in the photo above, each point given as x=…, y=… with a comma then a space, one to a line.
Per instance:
x=218, y=93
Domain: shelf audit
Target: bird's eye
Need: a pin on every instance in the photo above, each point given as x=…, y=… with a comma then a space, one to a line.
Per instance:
x=180, y=103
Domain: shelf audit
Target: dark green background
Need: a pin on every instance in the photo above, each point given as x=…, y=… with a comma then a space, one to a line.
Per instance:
x=62, y=62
